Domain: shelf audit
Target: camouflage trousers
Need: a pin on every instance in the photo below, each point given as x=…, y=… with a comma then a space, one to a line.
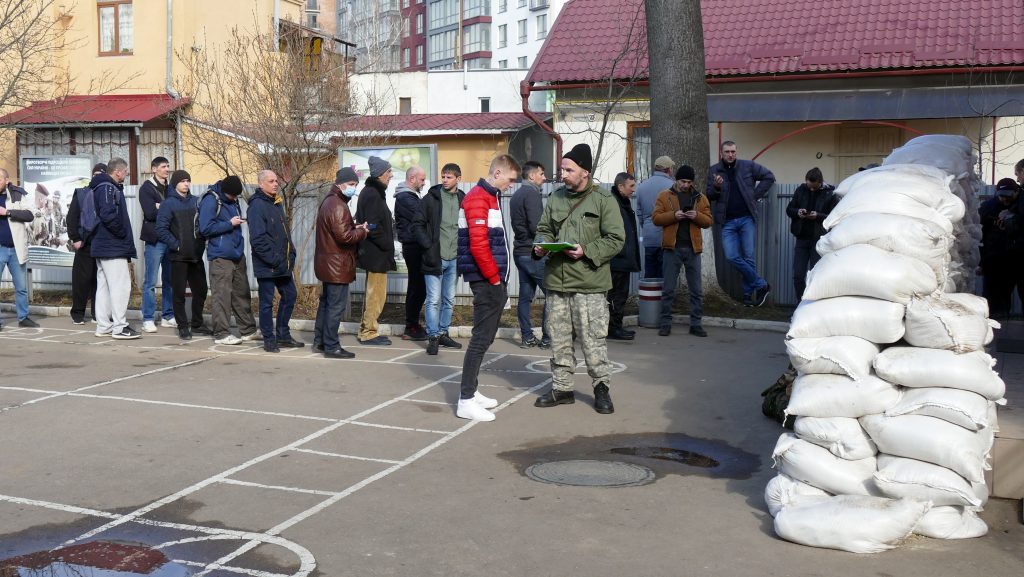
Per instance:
x=586, y=317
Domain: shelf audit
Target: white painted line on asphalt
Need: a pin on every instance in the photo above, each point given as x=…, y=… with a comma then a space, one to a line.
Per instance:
x=204, y=407
x=341, y=456
x=406, y=355
x=397, y=428
x=239, y=570
x=27, y=390
x=277, y=487
x=446, y=404
x=110, y=382
x=59, y=507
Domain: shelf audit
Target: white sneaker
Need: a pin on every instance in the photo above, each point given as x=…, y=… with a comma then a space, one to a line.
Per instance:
x=230, y=339
x=470, y=409
x=100, y=335
x=485, y=402
x=148, y=327
x=169, y=323
x=253, y=336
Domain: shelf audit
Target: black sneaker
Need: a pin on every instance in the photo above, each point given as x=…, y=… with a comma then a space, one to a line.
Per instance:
x=698, y=332
x=78, y=321
x=664, y=331
x=271, y=347
x=126, y=334
x=414, y=333
x=446, y=341
x=28, y=323
x=184, y=333
x=339, y=353
x=529, y=342
x=202, y=330
x=748, y=300
x=318, y=348
x=620, y=335
x=378, y=341
x=432, y=346
x=761, y=295
x=545, y=343
x=290, y=343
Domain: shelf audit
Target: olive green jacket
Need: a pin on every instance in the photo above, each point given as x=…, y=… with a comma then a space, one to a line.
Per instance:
x=596, y=225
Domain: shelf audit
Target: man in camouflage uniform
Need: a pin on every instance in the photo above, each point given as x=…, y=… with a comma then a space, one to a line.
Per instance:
x=576, y=279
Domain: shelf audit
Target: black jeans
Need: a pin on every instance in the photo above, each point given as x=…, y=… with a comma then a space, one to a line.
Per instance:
x=83, y=283
x=488, y=302
x=286, y=286
x=617, y=299
x=805, y=256
x=416, y=292
x=194, y=275
x=328, y=315
x=653, y=262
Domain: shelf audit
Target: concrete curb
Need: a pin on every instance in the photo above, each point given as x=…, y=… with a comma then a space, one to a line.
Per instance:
x=463, y=332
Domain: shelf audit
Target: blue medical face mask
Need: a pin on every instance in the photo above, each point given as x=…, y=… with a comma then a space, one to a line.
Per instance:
x=347, y=191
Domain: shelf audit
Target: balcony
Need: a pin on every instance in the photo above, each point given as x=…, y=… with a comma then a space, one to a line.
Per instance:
x=539, y=4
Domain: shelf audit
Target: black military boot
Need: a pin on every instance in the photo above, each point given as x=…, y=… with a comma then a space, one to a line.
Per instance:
x=602, y=400
x=554, y=398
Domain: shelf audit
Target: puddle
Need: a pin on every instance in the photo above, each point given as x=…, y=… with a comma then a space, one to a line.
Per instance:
x=94, y=559
x=662, y=453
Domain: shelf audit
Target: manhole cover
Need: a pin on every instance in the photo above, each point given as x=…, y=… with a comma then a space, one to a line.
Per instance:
x=588, y=473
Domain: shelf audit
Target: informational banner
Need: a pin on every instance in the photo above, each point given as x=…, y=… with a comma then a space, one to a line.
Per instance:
x=401, y=159
x=50, y=182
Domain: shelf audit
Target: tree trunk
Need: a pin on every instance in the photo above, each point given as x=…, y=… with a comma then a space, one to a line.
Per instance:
x=679, y=110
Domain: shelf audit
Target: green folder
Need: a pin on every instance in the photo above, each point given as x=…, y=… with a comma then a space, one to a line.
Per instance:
x=554, y=246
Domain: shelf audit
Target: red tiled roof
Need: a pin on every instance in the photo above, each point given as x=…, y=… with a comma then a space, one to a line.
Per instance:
x=109, y=109
x=475, y=122
x=743, y=37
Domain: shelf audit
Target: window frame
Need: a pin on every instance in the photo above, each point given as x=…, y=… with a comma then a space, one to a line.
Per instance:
x=522, y=29
x=115, y=5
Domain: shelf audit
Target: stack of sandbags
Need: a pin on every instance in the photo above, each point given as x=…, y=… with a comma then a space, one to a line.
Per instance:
x=884, y=446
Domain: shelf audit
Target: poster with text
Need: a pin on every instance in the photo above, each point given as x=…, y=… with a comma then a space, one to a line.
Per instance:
x=50, y=182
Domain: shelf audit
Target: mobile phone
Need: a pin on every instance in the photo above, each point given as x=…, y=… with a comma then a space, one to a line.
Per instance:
x=688, y=208
x=372, y=226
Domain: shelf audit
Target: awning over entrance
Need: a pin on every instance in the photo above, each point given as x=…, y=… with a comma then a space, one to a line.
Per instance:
x=85, y=110
x=874, y=104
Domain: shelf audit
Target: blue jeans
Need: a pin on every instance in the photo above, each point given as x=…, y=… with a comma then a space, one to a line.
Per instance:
x=531, y=278
x=9, y=259
x=286, y=286
x=738, y=237
x=440, y=298
x=157, y=258
x=328, y=316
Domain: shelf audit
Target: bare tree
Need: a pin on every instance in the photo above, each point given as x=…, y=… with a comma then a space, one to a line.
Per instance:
x=679, y=110
x=30, y=34
x=375, y=27
x=286, y=110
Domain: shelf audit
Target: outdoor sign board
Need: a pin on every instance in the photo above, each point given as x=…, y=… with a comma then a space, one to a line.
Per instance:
x=50, y=182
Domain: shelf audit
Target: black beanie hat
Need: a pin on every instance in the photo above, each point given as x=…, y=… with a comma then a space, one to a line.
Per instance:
x=178, y=176
x=685, y=172
x=231, y=185
x=580, y=154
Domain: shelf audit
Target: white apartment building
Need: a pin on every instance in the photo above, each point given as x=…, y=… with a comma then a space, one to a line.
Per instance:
x=519, y=28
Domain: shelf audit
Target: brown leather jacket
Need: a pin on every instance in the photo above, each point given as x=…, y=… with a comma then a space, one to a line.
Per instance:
x=336, y=240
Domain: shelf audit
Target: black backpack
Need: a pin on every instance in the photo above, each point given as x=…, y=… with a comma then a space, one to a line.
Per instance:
x=88, y=219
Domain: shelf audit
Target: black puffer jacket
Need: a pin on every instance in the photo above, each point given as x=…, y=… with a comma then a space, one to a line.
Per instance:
x=407, y=206
x=377, y=252
x=628, y=259
x=175, y=227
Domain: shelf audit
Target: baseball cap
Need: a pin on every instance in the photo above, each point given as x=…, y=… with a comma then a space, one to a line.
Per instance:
x=664, y=162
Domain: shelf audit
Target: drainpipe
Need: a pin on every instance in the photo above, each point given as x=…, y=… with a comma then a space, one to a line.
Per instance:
x=525, y=88
x=178, y=145
x=277, y=26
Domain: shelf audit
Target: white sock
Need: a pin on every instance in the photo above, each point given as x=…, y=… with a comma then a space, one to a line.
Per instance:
x=470, y=409
x=484, y=401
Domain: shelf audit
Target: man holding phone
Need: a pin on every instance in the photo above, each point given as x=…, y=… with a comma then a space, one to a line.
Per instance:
x=682, y=213
x=812, y=201
x=220, y=223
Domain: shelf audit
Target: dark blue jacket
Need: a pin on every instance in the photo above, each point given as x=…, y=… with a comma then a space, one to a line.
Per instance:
x=273, y=254
x=753, y=180
x=223, y=240
x=176, y=228
x=113, y=237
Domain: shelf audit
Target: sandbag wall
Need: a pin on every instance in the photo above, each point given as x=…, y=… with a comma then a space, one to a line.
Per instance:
x=895, y=397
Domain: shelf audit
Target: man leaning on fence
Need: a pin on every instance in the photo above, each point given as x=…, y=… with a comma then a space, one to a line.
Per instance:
x=334, y=262
x=220, y=223
x=584, y=215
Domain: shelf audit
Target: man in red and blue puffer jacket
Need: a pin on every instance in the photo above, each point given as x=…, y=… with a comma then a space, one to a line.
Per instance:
x=483, y=259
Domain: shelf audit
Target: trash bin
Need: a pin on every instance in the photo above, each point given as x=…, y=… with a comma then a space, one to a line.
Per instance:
x=650, y=302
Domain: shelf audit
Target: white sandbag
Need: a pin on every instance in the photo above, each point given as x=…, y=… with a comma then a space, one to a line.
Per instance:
x=842, y=436
x=849, y=522
x=902, y=478
x=933, y=441
x=848, y=356
x=940, y=322
x=951, y=523
x=919, y=367
x=993, y=415
x=817, y=467
x=925, y=185
x=913, y=237
x=864, y=270
x=871, y=319
x=901, y=205
x=782, y=490
x=947, y=152
x=957, y=406
x=838, y=396
x=974, y=303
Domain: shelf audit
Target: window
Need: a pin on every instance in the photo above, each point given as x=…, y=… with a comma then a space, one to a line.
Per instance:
x=441, y=46
x=443, y=13
x=405, y=105
x=311, y=20
x=503, y=64
x=522, y=62
x=419, y=54
x=485, y=105
x=474, y=8
x=419, y=23
x=502, y=6
x=522, y=31
x=502, y=35
x=117, y=27
x=313, y=5
x=542, y=26
x=538, y=4
x=405, y=58
x=522, y=3
x=405, y=27
x=405, y=3
x=476, y=37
